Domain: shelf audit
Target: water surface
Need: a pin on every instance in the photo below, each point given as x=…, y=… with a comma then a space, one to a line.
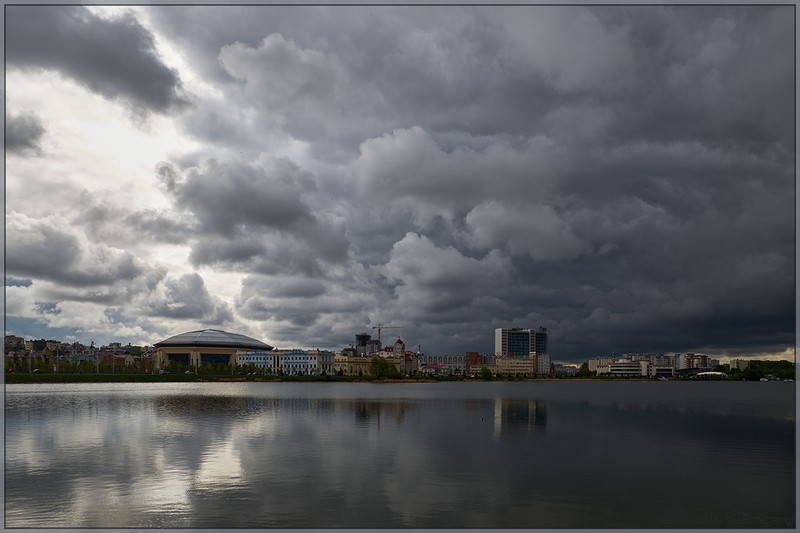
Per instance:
x=496, y=454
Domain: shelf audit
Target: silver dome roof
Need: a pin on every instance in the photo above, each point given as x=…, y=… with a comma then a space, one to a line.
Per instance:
x=214, y=338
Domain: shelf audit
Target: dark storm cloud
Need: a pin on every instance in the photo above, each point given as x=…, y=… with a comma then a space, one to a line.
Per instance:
x=24, y=134
x=115, y=58
x=229, y=196
x=311, y=312
x=254, y=216
x=623, y=175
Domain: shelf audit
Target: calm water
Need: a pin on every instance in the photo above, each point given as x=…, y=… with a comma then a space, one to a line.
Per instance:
x=530, y=455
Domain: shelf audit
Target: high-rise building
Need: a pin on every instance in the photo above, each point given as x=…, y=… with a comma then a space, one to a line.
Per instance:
x=519, y=342
x=365, y=344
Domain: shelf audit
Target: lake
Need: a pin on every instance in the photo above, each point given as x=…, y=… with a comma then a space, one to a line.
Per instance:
x=542, y=454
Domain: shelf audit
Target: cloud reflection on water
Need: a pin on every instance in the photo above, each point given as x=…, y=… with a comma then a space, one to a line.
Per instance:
x=130, y=458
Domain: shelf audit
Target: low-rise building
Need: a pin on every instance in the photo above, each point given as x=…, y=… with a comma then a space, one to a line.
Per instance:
x=566, y=370
x=268, y=361
x=294, y=362
x=661, y=371
x=597, y=363
x=739, y=364
x=625, y=367
x=515, y=366
x=306, y=362
x=448, y=365
x=347, y=365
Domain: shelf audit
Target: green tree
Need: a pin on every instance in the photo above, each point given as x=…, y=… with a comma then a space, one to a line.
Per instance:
x=486, y=374
x=381, y=368
x=584, y=371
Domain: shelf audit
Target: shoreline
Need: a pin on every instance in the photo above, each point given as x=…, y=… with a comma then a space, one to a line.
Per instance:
x=12, y=379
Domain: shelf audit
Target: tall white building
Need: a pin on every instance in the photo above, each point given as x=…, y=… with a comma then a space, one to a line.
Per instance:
x=520, y=342
x=523, y=343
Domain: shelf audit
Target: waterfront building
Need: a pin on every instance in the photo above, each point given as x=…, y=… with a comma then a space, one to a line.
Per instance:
x=568, y=370
x=293, y=362
x=626, y=367
x=542, y=364
x=306, y=362
x=351, y=365
x=347, y=365
x=447, y=365
x=473, y=362
x=739, y=364
x=519, y=342
x=515, y=366
x=660, y=371
x=196, y=348
x=597, y=363
x=268, y=361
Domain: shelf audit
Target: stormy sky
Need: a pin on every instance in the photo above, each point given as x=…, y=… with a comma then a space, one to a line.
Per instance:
x=621, y=175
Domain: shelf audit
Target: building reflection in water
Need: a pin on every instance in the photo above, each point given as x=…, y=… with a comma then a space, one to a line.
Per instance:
x=519, y=414
x=367, y=413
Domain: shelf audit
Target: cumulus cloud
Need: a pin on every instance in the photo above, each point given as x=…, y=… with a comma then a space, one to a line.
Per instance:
x=536, y=230
x=44, y=249
x=311, y=90
x=433, y=283
x=312, y=311
x=113, y=57
x=409, y=163
x=253, y=216
x=623, y=176
x=186, y=297
x=541, y=40
x=228, y=196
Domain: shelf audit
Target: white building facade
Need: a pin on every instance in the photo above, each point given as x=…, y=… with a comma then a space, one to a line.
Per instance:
x=291, y=362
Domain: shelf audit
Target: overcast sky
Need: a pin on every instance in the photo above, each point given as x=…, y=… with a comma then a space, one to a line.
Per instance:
x=621, y=175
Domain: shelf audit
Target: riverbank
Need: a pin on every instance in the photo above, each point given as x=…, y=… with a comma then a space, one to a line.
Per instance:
x=190, y=378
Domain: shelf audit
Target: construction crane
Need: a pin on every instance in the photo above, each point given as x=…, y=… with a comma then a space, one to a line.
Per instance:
x=381, y=326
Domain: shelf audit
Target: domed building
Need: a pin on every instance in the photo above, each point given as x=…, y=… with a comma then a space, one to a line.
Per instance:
x=201, y=347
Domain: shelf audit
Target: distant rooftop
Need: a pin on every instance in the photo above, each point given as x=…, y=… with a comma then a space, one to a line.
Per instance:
x=213, y=338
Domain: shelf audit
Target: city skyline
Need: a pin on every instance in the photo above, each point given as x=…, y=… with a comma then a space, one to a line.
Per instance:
x=620, y=175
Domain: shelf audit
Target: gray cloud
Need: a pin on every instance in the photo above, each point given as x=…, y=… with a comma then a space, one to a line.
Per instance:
x=42, y=249
x=187, y=297
x=115, y=58
x=123, y=226
x=24, y=134
x=623, y=175
x=229, y=196
x=254, y=216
